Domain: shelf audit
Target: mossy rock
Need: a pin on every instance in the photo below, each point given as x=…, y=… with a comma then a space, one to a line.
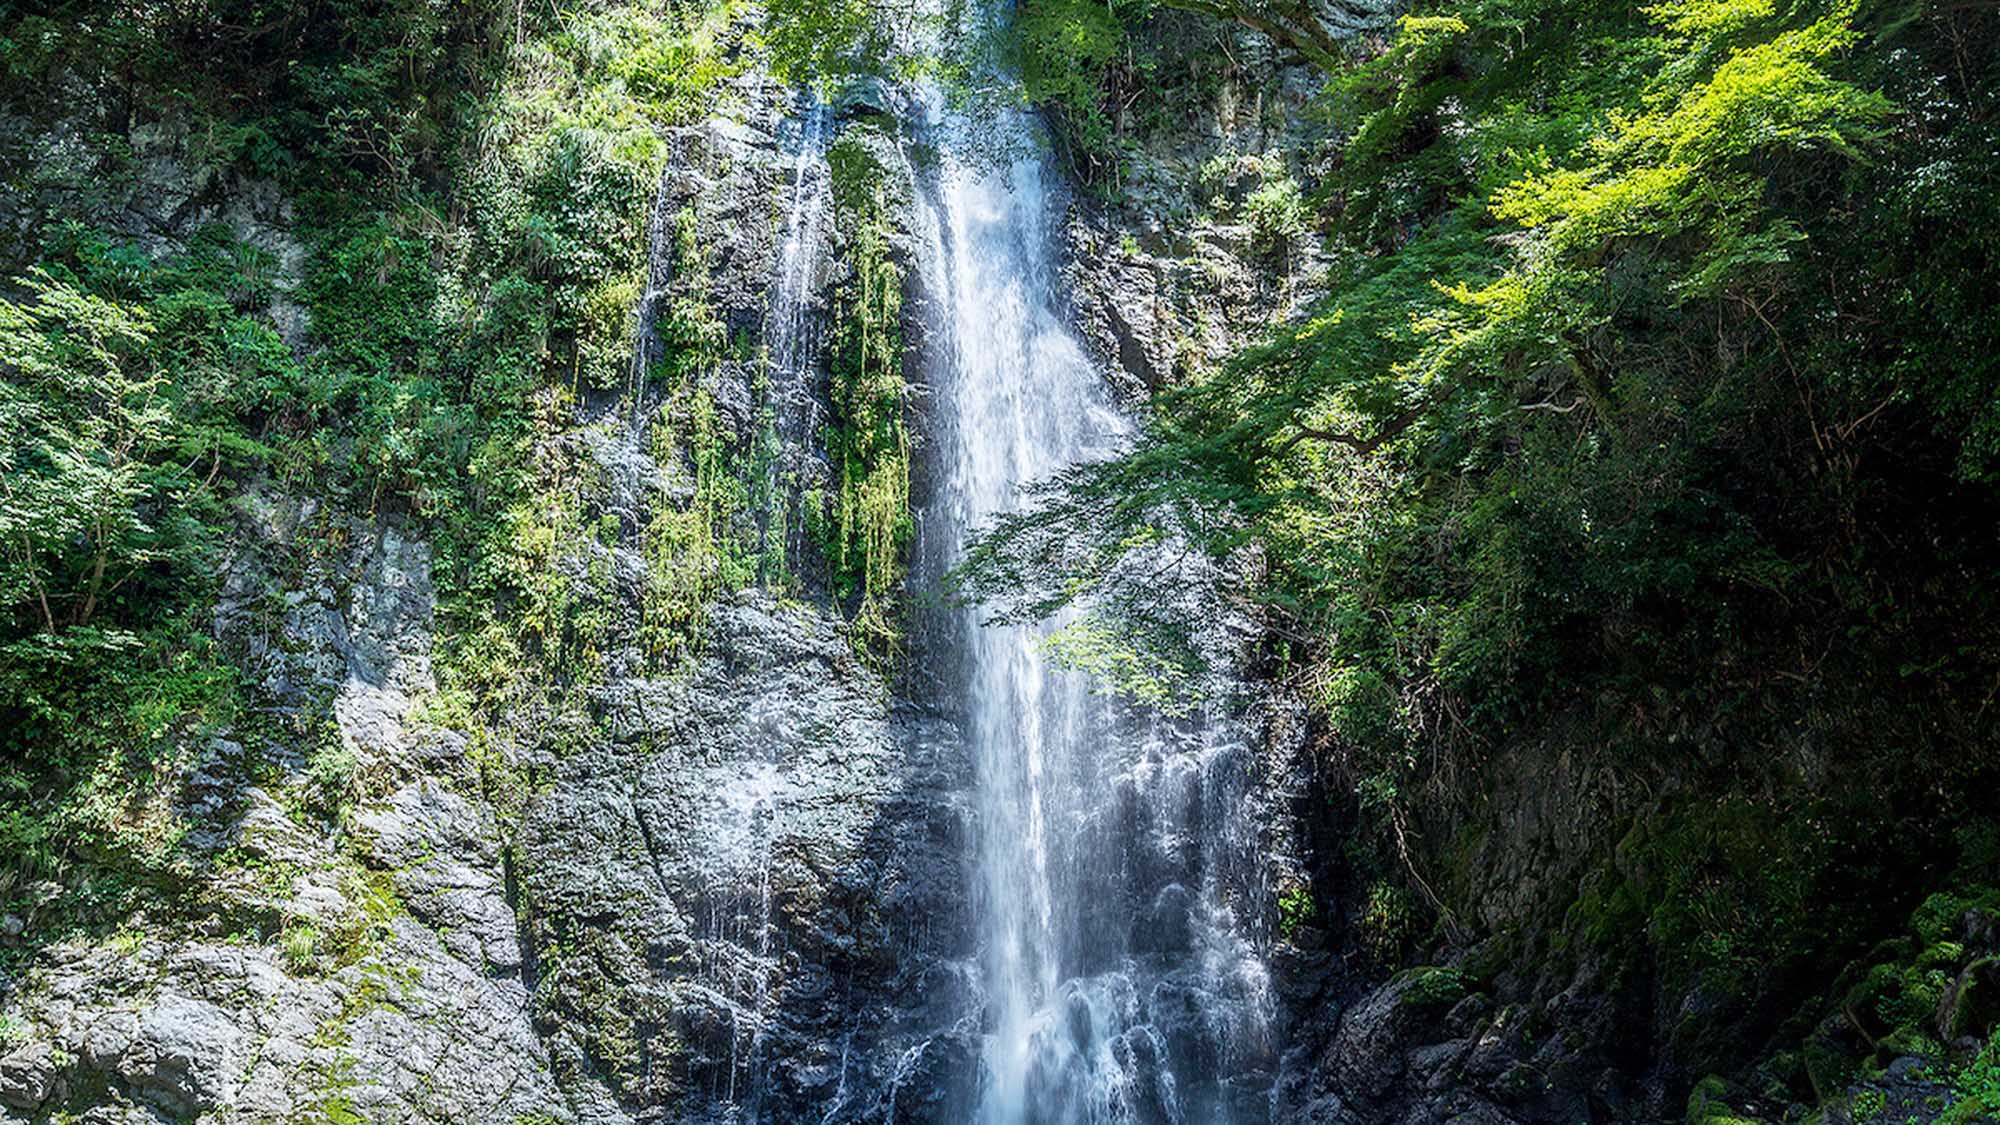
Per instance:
x=859, y=162
x=1906, y=1041
x=1972, y=1005
x=1941, y=918
x=1867, y=1105
x=1828, y=1069
x=1896, y=997
x=1607, y=909
x=1708, y=1104
x=1489, y=958
x=1432, y=985
x=1943, y=954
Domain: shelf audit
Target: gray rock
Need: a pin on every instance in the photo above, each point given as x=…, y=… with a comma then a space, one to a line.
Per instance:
x=183, y=1056
x=737, y=813
x=442, y=854
x=866, y=95
x=27, y=1075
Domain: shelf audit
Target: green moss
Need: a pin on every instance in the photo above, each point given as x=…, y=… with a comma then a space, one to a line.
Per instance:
x=1942, y=915
x=867, y=524
x=1707, y=1104
x=298, y=946
x=1429, y=985
x=1975, y=1086
x=1976, y=1007
x=1295, y=910
x=1897, y=996
x=1828, y=1070
x=1941, y=955
x=1608, y=910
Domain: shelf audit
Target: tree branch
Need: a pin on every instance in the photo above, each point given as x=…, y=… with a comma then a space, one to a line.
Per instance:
x=1308, y=38
x=1362, y=446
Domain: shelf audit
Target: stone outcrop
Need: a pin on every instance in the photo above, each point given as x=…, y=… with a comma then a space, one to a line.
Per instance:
x=731, y=897
x=391, y=990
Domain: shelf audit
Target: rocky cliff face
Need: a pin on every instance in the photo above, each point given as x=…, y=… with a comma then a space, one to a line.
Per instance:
x=739, y=888
x=1173, y=273
x=393, y=989
x=730, y=891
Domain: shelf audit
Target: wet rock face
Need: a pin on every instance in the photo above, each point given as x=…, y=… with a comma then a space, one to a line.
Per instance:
x=742, y=891
x=730, y=897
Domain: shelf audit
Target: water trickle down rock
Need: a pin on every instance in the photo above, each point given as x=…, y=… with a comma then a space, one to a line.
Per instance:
x=734, y=884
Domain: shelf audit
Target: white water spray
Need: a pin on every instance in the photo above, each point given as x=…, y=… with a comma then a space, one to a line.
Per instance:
x=1089, y=1012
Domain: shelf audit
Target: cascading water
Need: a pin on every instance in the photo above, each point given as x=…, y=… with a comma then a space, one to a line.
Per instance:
x=1120, y=985
x=1110, y=971
x=790, y=330
x=736, y=951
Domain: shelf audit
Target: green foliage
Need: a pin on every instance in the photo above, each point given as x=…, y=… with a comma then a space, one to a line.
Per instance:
x=125, y=382
x=1277, y=214
x=1388, y=921
x=1066, y=53
x=1975, y=1086
x=1493, y=475
x=867, y=528
x=818, y=40
x=84, y=443
x=474, y=183
x=668, y=66
x=1295, y=910
x=1089, y=645
x=299, y=946
x=1432, y=985
x=692, y=549
x=98, y=727
x=1706, y=1104
x=330, y=774
x=355, y=90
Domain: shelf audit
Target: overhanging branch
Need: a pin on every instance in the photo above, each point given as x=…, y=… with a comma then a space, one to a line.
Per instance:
x=1361, y=445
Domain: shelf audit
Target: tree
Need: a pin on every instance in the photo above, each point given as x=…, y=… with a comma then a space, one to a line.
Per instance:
x=86, y=434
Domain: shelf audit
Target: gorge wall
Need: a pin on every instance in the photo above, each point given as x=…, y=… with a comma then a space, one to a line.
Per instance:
x=533, y=693
x=736, y=885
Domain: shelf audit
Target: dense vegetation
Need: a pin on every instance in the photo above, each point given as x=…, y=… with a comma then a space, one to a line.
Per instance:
x=473, y=187
x=1651, y=417
x=866, y=523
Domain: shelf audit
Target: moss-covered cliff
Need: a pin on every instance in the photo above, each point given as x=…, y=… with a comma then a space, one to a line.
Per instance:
x=395, y=524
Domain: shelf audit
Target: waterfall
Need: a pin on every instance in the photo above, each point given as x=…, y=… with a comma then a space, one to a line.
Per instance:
x=793, y=344
x=737, y=953
x=790, y=330
x=1112, y=848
